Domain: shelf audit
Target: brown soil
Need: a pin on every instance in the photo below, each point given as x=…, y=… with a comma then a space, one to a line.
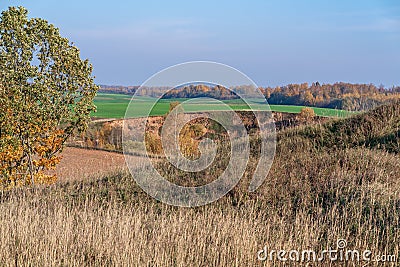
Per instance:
x=79, y=163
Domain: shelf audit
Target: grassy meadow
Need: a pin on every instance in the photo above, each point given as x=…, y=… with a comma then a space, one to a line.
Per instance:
x=336, y=180
x=114, y=106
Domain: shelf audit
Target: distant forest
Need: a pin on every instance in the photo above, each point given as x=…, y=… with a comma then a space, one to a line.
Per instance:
x=347, y=96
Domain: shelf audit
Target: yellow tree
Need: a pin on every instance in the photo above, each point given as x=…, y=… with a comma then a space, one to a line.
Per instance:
x=46, y=94
x=306, y=114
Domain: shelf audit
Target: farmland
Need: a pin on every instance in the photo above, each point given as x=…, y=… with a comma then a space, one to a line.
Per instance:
x=114, y=106
x=82, y=164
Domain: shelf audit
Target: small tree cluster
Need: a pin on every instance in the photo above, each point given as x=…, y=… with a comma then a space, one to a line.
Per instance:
x=188, y=138
x=306, y=115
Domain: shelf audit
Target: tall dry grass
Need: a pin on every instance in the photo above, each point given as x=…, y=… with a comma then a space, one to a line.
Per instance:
x=307, y=202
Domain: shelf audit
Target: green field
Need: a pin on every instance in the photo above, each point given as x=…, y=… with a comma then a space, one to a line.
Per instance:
x=114, y=106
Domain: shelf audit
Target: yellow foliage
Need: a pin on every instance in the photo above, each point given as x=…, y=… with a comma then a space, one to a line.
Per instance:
x=306, y=114
x=19, y=168
x=42, y=178
x=153, y=143
x=189, y=139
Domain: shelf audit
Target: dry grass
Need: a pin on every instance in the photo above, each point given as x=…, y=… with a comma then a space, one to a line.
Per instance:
x=110, y=221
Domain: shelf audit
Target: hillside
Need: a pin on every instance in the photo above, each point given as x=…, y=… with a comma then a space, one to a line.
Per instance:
x=378, y=128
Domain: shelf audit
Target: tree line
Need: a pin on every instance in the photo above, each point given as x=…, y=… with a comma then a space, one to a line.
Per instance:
x=339, y=95
x=347, y=96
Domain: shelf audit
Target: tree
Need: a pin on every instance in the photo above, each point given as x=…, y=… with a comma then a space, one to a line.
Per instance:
x=306, y=114
x=173, y=105
x=308, y=98
x=189, y=139
x=46, y=94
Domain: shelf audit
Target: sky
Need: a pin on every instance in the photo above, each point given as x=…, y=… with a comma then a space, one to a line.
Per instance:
x=273, y=42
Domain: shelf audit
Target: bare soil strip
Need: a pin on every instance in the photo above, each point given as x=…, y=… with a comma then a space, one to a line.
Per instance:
x=79, y=163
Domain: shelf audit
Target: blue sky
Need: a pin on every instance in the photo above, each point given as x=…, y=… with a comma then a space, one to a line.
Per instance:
x=273, y=42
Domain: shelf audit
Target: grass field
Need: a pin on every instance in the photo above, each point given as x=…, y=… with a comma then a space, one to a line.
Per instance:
x=114, y=106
